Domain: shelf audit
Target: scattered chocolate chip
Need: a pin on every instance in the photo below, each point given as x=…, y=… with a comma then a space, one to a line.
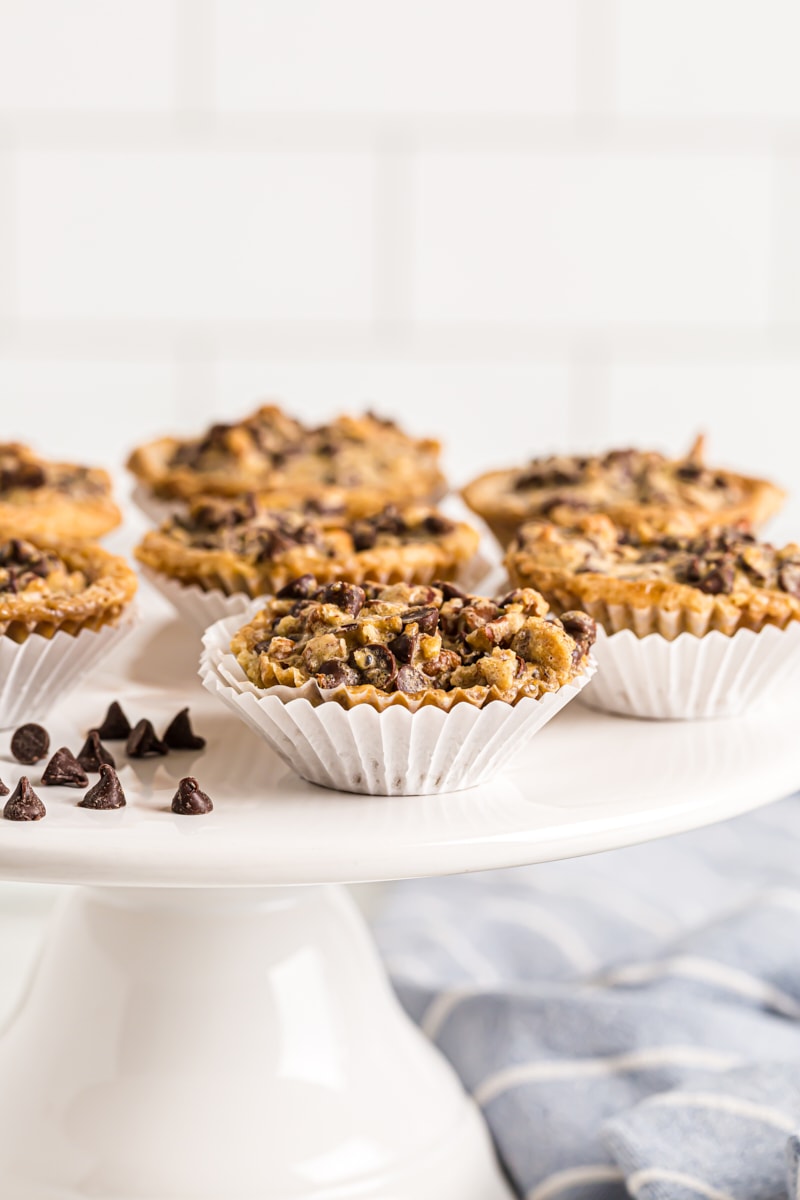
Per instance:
x=404, y=646
x=377, y=665
x=30, y=743
x=451, y=592
x=179, y=734
x=347, y=596
x=789, y=578
x=3, y=788
x=144, y=742
x=106, y=793
x=426, y=618
x=335, y=673
x=436, y=524
x=64, y=770
x=718, y=581
x=189, y=801
x=24, y=804
x=115, y=726
x=409, y=679
x=93, y=754
x=298, y=589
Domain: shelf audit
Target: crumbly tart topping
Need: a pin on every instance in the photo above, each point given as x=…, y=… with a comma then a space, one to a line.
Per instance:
x=241, y=545
x=67, y=587
x=724, y=568
x=433, y=644
x=362, y=461
x=51, y=499
x=641, y=490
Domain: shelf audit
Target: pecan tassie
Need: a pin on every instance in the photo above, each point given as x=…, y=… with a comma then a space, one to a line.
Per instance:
x=724, y=575
x=436, y=644
x=363, y=462
x=242, y=546
x=52, y=500
x=640, y=490
x=65, y=587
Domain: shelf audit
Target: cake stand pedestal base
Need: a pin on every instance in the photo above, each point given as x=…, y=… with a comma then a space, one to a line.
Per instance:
x=190, y=1044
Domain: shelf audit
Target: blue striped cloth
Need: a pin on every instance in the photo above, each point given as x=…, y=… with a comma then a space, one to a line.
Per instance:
x=629, y=1023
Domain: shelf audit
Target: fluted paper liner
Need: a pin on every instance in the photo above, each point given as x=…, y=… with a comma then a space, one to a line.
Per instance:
x=389, y=753
x=154, y=507
x=35, y=675
x=691, y=677
x=199, y=607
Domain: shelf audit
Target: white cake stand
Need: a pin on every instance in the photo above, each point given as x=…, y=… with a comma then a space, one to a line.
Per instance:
x=199, y=1027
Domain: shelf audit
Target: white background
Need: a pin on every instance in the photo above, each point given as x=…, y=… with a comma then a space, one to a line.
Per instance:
x=522, y=225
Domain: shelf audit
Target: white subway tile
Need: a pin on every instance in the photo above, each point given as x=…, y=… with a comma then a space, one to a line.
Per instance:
x=195, y=236
x=428, y=56
x=693, y=58
x=88, y=411
x=86, y=54
x=563, y=239
x=485, y=414
x=749, y=412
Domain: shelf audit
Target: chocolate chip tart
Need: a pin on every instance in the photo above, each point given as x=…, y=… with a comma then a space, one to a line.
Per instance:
x=62, y=607
x=717, y=614
x=53, y=500
x=361, y=461
x=212, y=558
x=640, y=490
x=398, y=689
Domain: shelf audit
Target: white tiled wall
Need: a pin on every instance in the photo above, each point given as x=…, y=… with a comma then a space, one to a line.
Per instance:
x=523, y=225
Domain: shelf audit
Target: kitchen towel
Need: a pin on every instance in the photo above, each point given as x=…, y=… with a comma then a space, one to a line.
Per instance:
x=630, y=1023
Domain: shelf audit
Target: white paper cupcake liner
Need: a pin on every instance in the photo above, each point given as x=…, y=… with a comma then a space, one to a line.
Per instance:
x=153, y=507
x=692, y=677
x=35, y=675
x=198, y=607
x=391, y=753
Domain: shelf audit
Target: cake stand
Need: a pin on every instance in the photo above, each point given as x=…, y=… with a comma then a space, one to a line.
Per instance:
x=202, y=1027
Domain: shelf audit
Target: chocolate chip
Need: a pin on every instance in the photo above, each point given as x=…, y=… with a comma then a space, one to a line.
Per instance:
x=93, y=754
x=438, y=525
x=451, y=592
x=30, y=743
x=347, y=596
x=299, y=589
x=24, y=804
x=789, y=578
x=189, y=801
x=404, y=646
x=718, y=581
x=106, y=793
x=143, y=741
x=179, y=734
x=115, y=726
x=64, y=770
x=3, y=788
x=335, y=673
x=409, y=679
x=426, y=618
x=581, y=627
x=377, y=665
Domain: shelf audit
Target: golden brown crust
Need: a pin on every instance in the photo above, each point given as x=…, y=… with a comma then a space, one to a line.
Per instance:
x=66, y=587
x=259, y=551
x=567, y=566
x=688, y=505
x=51, y=501
x=363, y=460
x=411, y=645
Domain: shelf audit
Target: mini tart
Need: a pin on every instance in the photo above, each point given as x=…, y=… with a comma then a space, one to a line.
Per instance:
x=371, y=460
x=722, y=579
x=50, y=501
x=640, y=490
x=66, y=588
x=412, y=645
x=240, y=546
